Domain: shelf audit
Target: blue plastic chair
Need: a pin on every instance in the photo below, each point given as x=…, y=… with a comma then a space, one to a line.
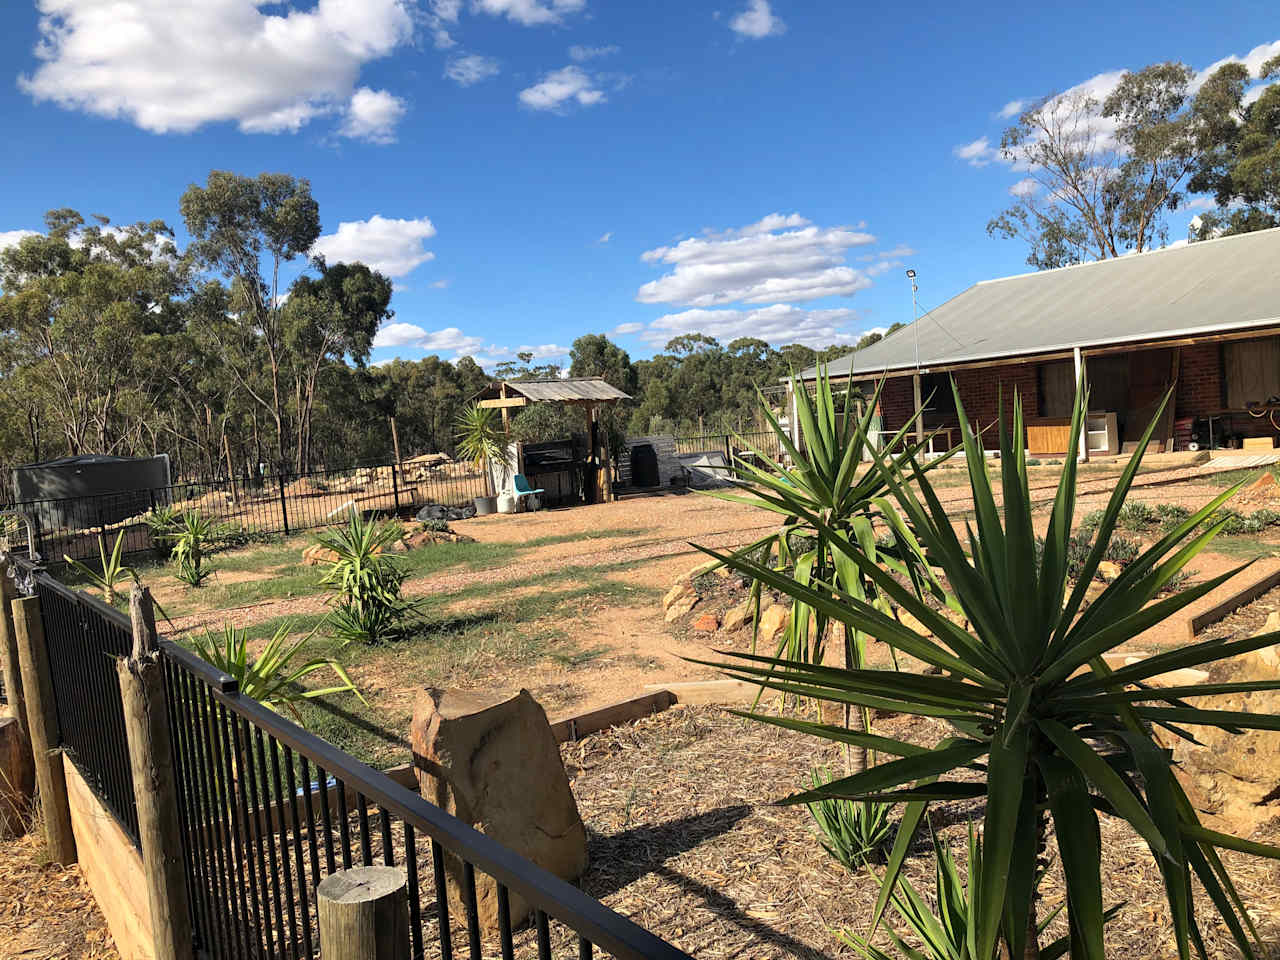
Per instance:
x=523, y=489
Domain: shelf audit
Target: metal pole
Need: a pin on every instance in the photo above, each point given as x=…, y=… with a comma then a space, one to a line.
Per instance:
x=284, y=507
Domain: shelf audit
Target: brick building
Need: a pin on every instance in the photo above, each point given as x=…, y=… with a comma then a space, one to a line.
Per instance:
x=1203, y=318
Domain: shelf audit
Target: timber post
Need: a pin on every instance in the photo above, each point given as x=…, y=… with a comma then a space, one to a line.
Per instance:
x=17, y=768
x=364, y=914
x=10, y=668
x=146, y=723
x=42, y=724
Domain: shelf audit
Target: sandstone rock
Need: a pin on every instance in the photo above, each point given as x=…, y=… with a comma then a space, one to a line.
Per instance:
x=1261, y=486
x=494, y=763
x=17, y=779
x=1109, y=571
x=707, y=623
x=316, y=554
x=700, y=569
x=741, y=615
x=773, y=621
x=679, y=591
x=681, y=607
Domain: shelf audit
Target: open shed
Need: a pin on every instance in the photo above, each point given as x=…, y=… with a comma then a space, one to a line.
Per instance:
x=591, y=472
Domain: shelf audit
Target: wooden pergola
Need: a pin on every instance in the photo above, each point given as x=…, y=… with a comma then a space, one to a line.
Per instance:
x=589, y=393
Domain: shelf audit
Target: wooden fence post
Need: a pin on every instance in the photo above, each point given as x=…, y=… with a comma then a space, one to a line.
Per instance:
x=364, y=914
x=146, y=721
x=42, y=724
x=10, y=669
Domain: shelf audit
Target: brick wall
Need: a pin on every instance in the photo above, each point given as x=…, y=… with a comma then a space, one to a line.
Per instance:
x=1200, y=387
x=980, y=392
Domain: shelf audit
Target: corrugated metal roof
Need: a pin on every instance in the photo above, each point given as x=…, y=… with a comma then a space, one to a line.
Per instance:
x=570, y=388
x=1232, y=283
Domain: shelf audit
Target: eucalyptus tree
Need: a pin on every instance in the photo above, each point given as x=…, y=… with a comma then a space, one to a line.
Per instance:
x=247, y=229
x=1043, y=730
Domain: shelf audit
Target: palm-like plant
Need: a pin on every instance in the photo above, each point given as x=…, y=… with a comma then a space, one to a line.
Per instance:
x=481, y=439
x=113, y=569
x=366, y=579
x=1050, y=731
x=273, y=676
x=193, y=534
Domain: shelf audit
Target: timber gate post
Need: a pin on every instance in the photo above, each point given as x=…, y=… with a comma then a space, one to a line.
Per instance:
x=42, y=724
x=364, y=914
x=146, y=721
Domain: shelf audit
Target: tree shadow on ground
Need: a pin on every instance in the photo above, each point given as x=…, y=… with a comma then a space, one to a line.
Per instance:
x=620, y=859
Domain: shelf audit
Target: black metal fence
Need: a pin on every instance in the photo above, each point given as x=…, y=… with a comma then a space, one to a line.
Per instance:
x=282, y=504
x=84, y=637
x=268, y=810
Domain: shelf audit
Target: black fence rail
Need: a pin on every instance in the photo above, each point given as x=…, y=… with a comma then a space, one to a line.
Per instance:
x=84, y=637
x=80, y=527
x=270, y=810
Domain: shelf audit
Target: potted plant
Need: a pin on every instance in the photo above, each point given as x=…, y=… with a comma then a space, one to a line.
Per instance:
x=482, y=440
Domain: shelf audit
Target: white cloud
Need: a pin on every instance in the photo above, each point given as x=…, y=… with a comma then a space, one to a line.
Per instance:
x=393, y=247
x=456, y=344
x=581, y=54
x=440, y=284
x=901, y=250
x=1013, y=108
x=530, y=13
x=10, y=238
x=398, y=335
x=775, y=260
x=1025, y=187
x=605, y=237
x=469, y=69
x=978, y=153
x=1200, y=203
x=757, y=20
x=561, y=88
x=777, y=324
x=625, y=329
x=170, y=67
x=373, y=115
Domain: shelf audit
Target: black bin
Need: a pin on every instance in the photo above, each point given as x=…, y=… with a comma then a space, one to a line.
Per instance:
x=644, y=465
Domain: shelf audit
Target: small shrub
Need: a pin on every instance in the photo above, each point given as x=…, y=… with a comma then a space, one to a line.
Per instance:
x=1090, y=522
x=162, y=522
x=113, y=570
x=436, y=525
x=704, y=583
x=1033, y=463
x=1137, y=516
x=1171, y=514
x=1122, y=550
x=853, y=831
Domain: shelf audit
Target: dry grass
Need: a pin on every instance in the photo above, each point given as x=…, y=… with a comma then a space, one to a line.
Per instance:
x=686, y=840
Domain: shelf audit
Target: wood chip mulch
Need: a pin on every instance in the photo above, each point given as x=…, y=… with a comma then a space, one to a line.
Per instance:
x=686, y=840
x=47, y=911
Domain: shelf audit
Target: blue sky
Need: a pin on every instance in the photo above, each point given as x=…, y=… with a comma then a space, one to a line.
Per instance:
x=532, y=170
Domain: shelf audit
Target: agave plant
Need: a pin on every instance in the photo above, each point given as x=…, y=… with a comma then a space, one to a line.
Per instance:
x=162, y=520
x=112, y=572
x=1044, y=730
x=852, y=832
x=272, y=677
x=366, y=579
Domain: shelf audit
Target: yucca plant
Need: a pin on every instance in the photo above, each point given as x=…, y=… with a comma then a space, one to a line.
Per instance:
x=366, y=579
x=193, y=535
x=832, y=476
x=481, y=439
x=853, y=832
x=273, y=676
x=112, y=571
x=948, y=933
x=1045, y=731
x=162, y=521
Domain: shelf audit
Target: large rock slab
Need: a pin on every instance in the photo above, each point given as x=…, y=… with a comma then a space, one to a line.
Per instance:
x=494, y=763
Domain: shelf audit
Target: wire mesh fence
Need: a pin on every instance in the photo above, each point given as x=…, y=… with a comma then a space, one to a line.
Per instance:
x=83, y=527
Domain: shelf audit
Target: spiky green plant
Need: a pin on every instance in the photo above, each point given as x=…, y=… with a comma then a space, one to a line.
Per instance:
x=832, y=476
x=162, y=522
x=481, y=439
x=1044, y=729
x=853, y=832
x=112, y=571
x=948, y=933
x=193, y=535
x=273, y=676
x=366, y=580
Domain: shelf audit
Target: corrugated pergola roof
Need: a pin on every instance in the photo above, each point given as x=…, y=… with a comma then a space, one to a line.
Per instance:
x=1213, y=286
x=568, y=390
